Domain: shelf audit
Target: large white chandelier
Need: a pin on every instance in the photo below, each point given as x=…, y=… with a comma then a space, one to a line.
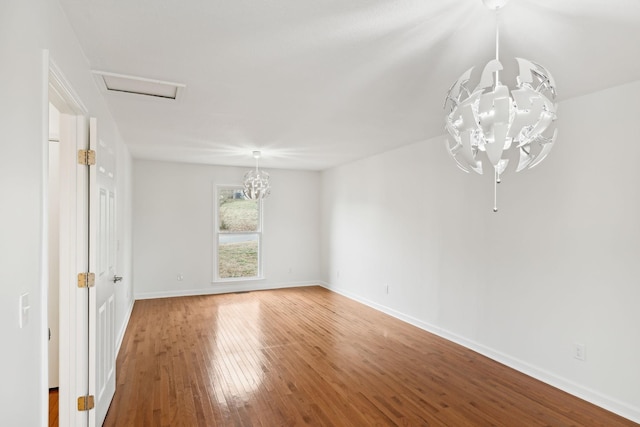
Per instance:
x=256, y=182
x=492, y=122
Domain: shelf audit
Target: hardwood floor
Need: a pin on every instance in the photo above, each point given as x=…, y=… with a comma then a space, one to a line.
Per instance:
x=307, y=356
x=53, y=407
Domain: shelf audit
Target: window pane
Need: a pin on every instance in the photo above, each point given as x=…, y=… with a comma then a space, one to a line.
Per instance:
x=238, y=255
x=235, y=212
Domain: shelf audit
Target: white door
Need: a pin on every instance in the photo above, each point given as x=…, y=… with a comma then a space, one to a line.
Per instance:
x=102, y=232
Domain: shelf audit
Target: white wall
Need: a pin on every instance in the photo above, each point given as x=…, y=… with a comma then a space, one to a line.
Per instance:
x=26, y=29
x=53, y=286
x=124, y=243
x=173, y=228
x=557, y=265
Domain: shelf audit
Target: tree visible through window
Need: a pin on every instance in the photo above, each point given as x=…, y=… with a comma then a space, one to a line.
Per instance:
x=238, y=235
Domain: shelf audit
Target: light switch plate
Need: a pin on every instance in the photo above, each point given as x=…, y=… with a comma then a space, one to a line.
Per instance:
x=24, y=310
x=579, y=351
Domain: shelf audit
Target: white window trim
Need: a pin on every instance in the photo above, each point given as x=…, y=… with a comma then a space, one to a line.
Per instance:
x=216, y=279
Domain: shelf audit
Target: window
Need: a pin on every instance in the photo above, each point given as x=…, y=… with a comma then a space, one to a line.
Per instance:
x=238, y=235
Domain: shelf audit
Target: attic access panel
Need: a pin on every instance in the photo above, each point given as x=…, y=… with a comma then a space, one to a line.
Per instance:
x=112, y=82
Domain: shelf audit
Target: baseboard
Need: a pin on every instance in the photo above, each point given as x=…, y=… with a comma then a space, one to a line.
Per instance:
x=123, y=328
x=222, y=289
x=621, y=408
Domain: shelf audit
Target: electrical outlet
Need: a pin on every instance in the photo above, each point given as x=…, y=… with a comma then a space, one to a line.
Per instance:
x=579, y=351
x=386, y=287
x=180, y=277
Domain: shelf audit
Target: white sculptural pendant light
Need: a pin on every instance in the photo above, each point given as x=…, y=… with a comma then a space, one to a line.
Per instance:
x=490, y=121
x=256, y=182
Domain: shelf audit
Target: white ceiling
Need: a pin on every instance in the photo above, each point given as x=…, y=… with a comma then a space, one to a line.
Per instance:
x=318, y=83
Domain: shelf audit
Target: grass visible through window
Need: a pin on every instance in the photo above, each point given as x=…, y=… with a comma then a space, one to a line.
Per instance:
x=238, y=215
x=238, y=259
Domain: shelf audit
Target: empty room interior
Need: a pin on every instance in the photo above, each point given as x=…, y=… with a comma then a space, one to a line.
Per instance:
x=297, y=212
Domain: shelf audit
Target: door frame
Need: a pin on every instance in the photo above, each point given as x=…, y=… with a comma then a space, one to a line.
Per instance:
x=74, y=207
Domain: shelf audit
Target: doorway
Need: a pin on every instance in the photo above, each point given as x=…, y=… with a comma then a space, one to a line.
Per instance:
x=54, y=262
x=67, y=246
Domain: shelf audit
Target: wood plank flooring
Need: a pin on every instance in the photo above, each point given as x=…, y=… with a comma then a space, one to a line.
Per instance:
x=307, y=356
x=53, y=407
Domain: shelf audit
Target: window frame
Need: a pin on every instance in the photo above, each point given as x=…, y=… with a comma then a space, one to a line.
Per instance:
x=217, y=232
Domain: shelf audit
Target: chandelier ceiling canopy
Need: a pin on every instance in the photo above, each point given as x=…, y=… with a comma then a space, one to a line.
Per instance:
x=490, y=121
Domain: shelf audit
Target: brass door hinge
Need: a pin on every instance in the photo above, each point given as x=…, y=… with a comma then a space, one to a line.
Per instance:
x=86, y=280
x=86, y=403
x=86, y=157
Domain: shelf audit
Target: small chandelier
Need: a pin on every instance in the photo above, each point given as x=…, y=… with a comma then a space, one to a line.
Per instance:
x=256, y=182
x=492, y=121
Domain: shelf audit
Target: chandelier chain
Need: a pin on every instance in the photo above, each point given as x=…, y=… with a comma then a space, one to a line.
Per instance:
x=498, y=44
